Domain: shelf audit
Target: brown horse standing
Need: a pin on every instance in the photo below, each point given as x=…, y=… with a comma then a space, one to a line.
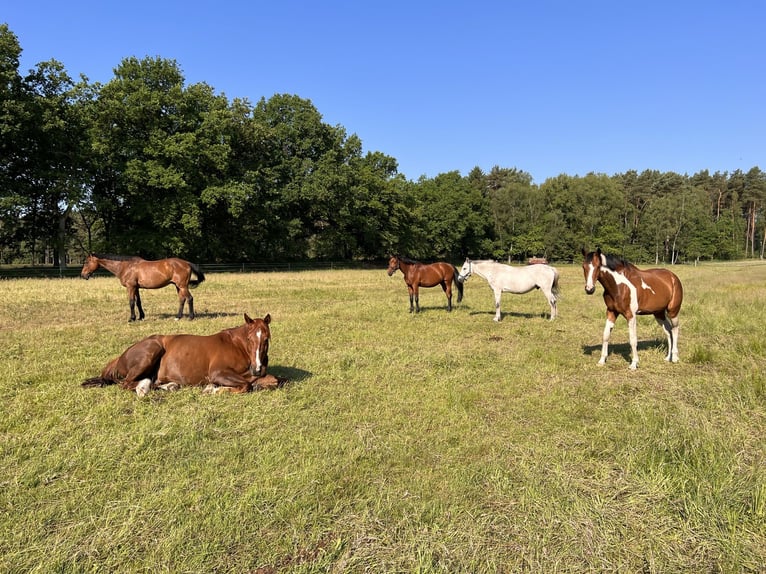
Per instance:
x=135, y=273
x=418, y=275
x=630, y=291
x=234, y=360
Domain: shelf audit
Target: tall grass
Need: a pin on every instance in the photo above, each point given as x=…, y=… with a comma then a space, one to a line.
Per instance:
x=437, y=442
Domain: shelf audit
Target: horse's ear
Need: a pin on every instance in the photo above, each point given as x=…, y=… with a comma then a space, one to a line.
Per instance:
x=248, y=319
x=598, y=251
x=267, y=318
x=582, y=250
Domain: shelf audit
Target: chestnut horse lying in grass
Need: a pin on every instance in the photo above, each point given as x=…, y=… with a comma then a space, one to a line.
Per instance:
x=233, y=360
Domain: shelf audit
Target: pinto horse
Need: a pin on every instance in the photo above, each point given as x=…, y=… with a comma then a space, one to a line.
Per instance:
x=630, y=291
x=234, y=360
x=418, y=275
x=136, y=273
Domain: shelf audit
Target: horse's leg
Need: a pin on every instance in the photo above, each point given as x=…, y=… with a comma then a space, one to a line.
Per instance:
x=633, y=336
x=447, y=288
x=670, y=326
x=412, y=297
x=608, y=326
x=674, y=324
x=142, y=360
x=498, y=293
x=662, y=319
x=181, y=302
x=132, y=291
x=416, y=290
x=554, y=307
x=228, y=382
x=185, y=295
x=138, y=303
x=190, y=299
x=171, y=386
x=551, y=298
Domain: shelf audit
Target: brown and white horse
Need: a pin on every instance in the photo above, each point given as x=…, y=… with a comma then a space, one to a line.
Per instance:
x=630, y=291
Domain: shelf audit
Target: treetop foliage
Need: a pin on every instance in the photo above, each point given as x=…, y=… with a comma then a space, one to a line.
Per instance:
x=148, y=165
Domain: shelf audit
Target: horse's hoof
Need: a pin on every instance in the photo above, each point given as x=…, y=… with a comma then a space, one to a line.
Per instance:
x=170, y=387
x=209, y=389
x=143, y=388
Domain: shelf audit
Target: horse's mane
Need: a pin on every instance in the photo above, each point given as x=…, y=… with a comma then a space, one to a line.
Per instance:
x=407, y=260
x=618, y=263
x=114, y=257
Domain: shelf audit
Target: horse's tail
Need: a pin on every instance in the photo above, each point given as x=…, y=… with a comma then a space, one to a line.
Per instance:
x=555, y=286
x=97, y=382
x=107, y=376
x=459, y=284
x=198, y=272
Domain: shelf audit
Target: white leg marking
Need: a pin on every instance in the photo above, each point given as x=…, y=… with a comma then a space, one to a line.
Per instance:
x=674, y=328
x=605, y=341
x=633, y=342
x=171, y=386
x=143, y=387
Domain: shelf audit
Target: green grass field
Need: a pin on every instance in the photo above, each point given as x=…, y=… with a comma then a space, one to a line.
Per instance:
x=438, y=442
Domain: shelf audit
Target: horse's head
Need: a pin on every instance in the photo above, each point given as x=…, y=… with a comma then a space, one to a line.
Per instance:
x=591, y=267
x=258, y=335
x=393, y=265
x=91, y=264
x=465, y=271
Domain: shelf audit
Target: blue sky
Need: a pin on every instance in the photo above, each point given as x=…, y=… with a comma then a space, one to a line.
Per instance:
x=545, y=86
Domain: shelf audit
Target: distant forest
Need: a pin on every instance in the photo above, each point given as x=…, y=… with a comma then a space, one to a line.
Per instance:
x=147, y=165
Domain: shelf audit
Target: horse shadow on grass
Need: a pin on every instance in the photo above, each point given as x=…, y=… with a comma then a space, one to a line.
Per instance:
x=294, y=375
x=203, y=315
x=513, y=314
x=621, y=349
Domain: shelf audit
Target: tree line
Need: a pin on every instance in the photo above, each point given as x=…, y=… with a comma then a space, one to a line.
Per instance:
x=148, y=165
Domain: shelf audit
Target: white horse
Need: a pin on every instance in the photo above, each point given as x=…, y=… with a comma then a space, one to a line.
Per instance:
x=505, y=278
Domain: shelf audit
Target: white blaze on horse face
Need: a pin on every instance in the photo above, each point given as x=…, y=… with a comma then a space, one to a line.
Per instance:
x=590, y=282
x=258, y=365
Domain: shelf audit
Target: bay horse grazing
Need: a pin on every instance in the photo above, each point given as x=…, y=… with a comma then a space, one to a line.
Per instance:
x=417, y=275
x=630, y=291
x=504, y=278
x=233, y=360
x=135, y=273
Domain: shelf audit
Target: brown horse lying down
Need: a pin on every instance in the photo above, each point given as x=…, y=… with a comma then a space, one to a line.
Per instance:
x=234, y=360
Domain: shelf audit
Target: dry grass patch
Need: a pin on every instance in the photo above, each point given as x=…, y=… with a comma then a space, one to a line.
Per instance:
x=436, y=442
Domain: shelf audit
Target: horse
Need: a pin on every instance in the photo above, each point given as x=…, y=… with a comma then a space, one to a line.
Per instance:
x=135, y=273
x=504, y=278
x=630, y=291
x=234, y=360
x=418, y=275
